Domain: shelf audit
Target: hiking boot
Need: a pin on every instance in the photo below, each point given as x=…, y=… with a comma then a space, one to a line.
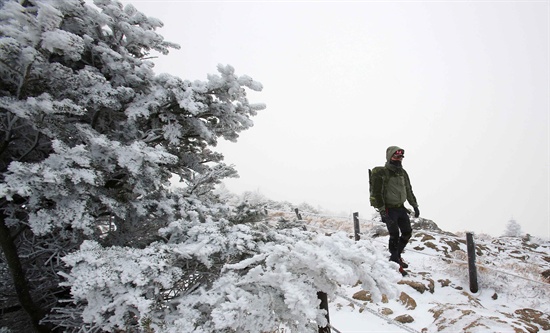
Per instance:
x=403, y=272
x=402, y=263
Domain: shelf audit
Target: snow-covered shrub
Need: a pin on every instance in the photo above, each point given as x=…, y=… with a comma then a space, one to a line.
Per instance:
x=264, y=279
x=305, y=207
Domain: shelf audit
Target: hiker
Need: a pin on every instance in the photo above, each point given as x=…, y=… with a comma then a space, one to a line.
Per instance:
x=390, y=187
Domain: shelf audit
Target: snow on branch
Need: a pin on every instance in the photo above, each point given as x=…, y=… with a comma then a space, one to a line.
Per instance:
x=276, y=282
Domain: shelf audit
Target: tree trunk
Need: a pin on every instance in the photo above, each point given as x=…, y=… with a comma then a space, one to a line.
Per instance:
x=19, y=280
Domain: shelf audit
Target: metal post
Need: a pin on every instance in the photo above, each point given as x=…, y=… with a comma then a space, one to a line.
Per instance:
x=356, y=226
x=324, y=306
x=472, y=261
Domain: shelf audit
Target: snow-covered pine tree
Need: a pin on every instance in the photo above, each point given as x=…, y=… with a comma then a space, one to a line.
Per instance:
x=90, y=137
x=513, y=229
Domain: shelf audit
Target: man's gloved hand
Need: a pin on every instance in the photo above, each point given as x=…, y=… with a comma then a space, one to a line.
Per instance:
x=416, y=212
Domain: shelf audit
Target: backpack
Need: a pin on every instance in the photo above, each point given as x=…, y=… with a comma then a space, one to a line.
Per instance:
x=385, y=176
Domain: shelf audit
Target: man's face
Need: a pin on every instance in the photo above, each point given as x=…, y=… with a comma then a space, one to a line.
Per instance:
x=398, y=155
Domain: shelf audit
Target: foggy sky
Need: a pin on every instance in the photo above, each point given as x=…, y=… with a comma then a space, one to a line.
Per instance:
x=463, y=87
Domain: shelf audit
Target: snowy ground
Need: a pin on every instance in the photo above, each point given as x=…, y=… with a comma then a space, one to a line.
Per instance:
x=348, y=321
x=512, y=295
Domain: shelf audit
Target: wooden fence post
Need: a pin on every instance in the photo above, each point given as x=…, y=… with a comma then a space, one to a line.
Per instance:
x=356, y=226
x=472, y=261
x=298, y=215
x=324, y=306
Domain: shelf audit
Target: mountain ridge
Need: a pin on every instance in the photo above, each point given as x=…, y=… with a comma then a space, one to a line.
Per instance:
x=513, y=276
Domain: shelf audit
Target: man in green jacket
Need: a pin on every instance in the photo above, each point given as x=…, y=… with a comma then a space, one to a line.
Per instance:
x=390, y=187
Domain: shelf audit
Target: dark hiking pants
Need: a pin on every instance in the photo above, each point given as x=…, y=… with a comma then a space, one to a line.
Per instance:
x=398, y=220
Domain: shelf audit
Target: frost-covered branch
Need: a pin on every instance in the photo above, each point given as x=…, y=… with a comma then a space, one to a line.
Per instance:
x=268, y=278
x=91, y=137
x=33, y=147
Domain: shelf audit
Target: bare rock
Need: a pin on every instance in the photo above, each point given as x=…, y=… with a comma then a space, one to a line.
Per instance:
x=432, y=246
x=363, y=295
x=386, y=311
x=425, y=224
x=407, y=300
x=431, y=286
x=404, y=319
x=427, y=237
x=444, y=283
x=421, y=288
x=454, y=244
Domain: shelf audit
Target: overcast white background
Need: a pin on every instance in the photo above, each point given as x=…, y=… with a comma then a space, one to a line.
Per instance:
x=463, y=87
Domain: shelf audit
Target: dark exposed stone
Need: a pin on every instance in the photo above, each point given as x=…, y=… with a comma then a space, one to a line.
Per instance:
x=407, y=300
x=405, y=319
x=362, y=295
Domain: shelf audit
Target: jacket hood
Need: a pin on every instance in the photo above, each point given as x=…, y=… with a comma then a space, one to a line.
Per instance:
x=390, y=151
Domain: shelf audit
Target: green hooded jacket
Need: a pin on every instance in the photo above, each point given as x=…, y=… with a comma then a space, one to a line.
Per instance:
x=390, y=185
